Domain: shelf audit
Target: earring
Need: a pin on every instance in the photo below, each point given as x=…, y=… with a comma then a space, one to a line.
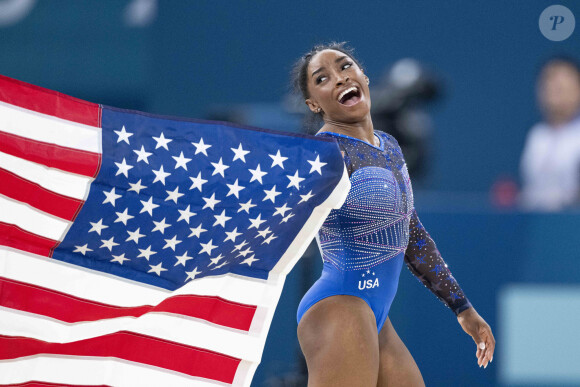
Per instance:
x=318, y=110
x=368, y=81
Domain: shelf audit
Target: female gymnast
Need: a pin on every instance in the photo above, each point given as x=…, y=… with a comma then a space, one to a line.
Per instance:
x=343, y=328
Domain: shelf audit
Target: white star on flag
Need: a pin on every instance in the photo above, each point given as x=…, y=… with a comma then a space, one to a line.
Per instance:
x=160, y=175
x=221, y=219
x=162, y=142
x=160, y=226
x=221, y=265
x=181, y=161
x=191, y=274
x=119, y=258
x=256, y=222
x=182, y=259
x=123, y=217
x=157, y=269
x=185, y=214
x=232, y=235
x=278, y=160
x=171, y=243
x=245, y=252
x=234, y=189
x=210, y=202
x=239, y=247
x=295, y=180
x=316, y=165
x=216, y=260
x=250, y=260
x=264, y=232
x=173, y=195
x=257, y=174
x=269, y=239
x=207, y=247
x=271, y=194
x=148, y=206
x=220, y=167
x=123, y=168
x=197, y=182
x=142, y=155
x=287, y=217
x=82, y=249
x=240, y=153
x=246, y=206
x=137, y=187
x=134, y=235
x=306, y=197
x=97, y=227
x=111, y=197
x=196, y=231
x=109, y=243
x=282, y=210
x=146, y=253
x=123, y=135
x=200, y=147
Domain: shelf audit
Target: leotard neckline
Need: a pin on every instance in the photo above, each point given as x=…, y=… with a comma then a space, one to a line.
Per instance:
x=380, y=147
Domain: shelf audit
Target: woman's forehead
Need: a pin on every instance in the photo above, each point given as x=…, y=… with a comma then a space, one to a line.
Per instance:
x=327, y=54
x=321, y=58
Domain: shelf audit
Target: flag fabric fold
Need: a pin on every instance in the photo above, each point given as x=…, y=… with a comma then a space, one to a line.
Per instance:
x=145, y=250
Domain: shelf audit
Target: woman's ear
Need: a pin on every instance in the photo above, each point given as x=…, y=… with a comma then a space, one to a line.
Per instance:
x=313, y=106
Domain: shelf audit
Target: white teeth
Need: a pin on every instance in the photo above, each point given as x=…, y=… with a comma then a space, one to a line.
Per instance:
x=346, y=92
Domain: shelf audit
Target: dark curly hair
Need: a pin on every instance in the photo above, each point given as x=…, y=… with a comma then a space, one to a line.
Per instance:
x=299, y=76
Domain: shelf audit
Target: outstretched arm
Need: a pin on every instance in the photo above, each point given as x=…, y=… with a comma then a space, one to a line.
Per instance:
x=425, y=262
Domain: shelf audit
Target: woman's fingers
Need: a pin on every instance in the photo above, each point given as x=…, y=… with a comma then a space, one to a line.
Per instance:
x=490, y=344
x=487, y=354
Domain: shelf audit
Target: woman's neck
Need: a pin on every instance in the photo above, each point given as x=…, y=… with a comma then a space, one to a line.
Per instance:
x=363, y=130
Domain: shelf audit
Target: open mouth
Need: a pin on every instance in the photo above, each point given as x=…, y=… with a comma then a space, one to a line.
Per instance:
x=350, y=96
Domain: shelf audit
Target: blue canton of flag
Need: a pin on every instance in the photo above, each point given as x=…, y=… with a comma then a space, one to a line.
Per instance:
x=179, y=200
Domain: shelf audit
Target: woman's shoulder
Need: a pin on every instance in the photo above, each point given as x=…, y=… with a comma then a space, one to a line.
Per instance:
x=386, y=136
x=390, y=141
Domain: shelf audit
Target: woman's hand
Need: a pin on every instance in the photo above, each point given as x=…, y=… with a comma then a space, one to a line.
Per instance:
x=475, y=326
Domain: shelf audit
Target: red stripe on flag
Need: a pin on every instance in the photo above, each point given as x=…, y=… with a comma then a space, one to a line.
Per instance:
x=48, y=102
x=53, y=156
x=70, y=309
x=23, y=190
x=14, y=236
x=133, y=347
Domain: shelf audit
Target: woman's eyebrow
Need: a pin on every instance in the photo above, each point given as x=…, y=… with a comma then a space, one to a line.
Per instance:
x=317, y=71
x=322, y=68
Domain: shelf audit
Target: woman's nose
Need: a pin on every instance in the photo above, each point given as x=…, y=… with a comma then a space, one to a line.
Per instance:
x=341, y=80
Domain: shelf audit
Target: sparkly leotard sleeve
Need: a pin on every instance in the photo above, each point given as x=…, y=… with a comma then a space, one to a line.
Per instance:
x=364, y=243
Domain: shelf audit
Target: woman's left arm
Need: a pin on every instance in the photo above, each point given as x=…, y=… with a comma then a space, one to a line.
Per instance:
x=426, y=263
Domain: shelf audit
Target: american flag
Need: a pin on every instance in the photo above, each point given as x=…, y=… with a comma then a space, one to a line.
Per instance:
x=139, y=250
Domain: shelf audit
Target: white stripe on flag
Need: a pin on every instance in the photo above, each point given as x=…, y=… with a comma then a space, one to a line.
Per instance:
x=32, y=220
x=49, y=129
x=55, y=180
x=189, y=331
x=96, y=371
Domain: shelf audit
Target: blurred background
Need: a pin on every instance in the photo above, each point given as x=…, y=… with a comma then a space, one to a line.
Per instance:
x=458, y=83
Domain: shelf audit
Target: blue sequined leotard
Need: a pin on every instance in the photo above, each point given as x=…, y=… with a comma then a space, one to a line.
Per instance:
x=365, y=242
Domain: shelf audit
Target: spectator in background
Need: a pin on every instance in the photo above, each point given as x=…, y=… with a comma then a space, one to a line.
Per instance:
x=550, y=163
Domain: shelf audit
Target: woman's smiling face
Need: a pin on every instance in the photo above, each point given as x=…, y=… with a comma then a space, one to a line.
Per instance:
x=338, y=86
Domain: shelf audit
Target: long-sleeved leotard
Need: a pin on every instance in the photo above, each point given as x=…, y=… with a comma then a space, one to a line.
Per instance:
x=366, y=241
